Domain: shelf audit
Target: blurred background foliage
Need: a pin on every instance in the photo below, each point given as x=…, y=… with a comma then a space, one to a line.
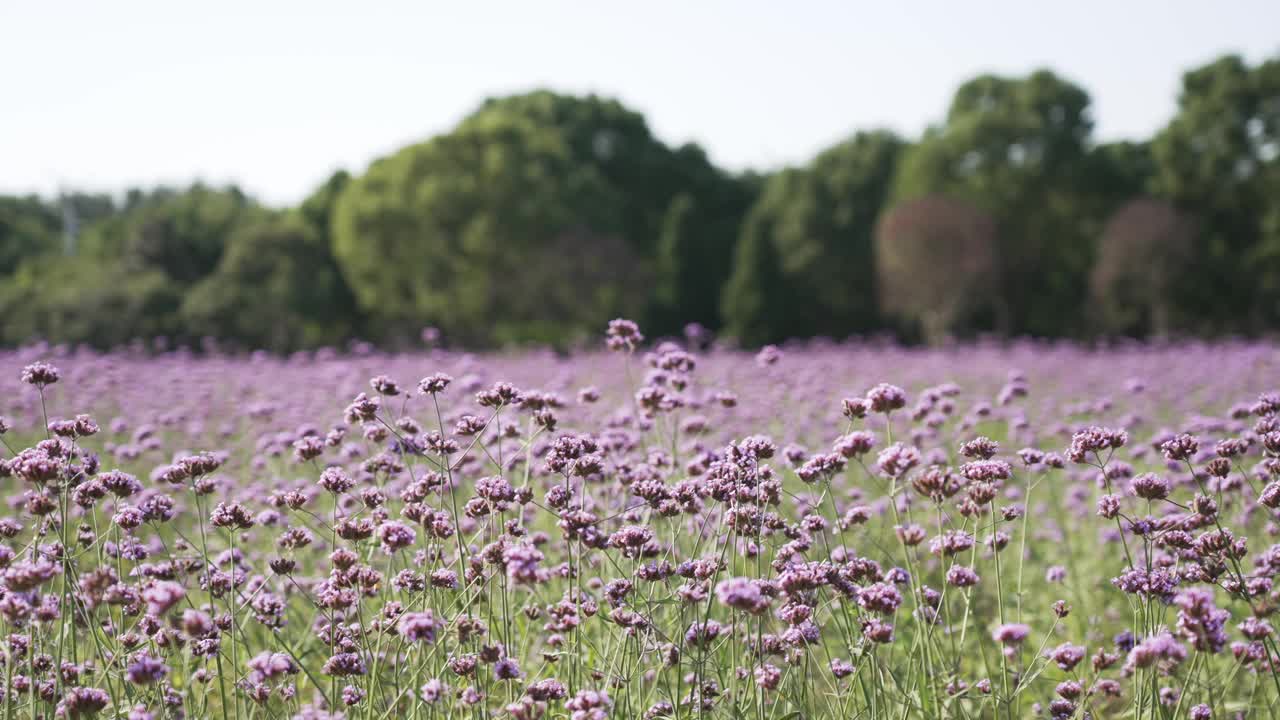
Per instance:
x=542, y=215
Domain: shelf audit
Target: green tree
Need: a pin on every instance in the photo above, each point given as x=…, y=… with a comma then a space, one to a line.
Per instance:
x=282, y=264
x=181, y=235
x=80, y=300
x=1018, y=148
x=1120, y=172
x=805, y=263
x=492, y=232
x=676, y=210
x=1217, y=160
x=317, y=208
x=28, y=228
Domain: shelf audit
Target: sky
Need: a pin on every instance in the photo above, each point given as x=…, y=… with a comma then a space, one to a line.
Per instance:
x=274, y=95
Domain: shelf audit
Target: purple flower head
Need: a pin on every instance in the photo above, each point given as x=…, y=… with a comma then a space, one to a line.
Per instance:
x=161, y=596
x=419, y=626
x=880, y=597
x=81, y=702
x=522, y=563
x=897, y=459
x=980, y=448
x=589, y=705
x=145, y=670
x=623, y=335
x=885, y=398
x=855, y=444
x=335, y=481
x=270, y=665
x=40, y=374
x=742, y=594
x=434, y=384
x=1181, y=447
x=986, y=470
x=396, y=536
x=961, y=576
x=344, y=664
x=1160, y=650
x=1066, y=656
x=1200, y=621
x=1095, y=440
x=506, y=669
x=1010, y=633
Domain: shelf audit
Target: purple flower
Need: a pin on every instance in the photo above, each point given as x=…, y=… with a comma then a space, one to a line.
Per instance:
x=885, y=398
x=986, y=470
x=269, y=665
x=162, y=595
x=396, y=536
x=335, y=481
x=623, y=335
x=1094, y=440
x=1270, y=495
x=352, y=695
x=83, y=702
x=897, y=459
x=741, y=594
x=547, y=690
x=1161, y=649
x=419, y=626
x=980, y=448
x=961, y=576
x=855, y=444
x=1181, y=447
x=40, y=374
x=1200, y=621
x=1151, y=583
x=1010, y=633
x=1066, y=656
x=431, y=691
x=589, y=705
x=506, y=669
x=344, y=664
x=880, y=597
x=522, y=564
x=145, y=670
x=26, y=575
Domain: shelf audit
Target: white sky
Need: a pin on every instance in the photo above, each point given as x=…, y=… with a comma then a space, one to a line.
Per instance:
x=276, y=94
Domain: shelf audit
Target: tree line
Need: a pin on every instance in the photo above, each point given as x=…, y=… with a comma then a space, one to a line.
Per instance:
x=542, y=215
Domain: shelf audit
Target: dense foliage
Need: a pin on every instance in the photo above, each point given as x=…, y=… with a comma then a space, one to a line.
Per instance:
x=541, y=215
x=837, y=531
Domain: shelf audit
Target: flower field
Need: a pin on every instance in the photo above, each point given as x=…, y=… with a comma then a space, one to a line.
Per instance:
x=647, y=530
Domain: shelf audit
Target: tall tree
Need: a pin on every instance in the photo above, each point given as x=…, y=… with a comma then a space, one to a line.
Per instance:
x=1018, y=148
x=676, y=210
x=1218, y=160
x=818, y=225
x=282, y=264
x=181, y=234
x=488, y=232
x=28, y=228
x=316, y=209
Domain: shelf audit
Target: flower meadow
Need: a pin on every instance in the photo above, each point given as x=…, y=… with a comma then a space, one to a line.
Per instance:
x=648, y=530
